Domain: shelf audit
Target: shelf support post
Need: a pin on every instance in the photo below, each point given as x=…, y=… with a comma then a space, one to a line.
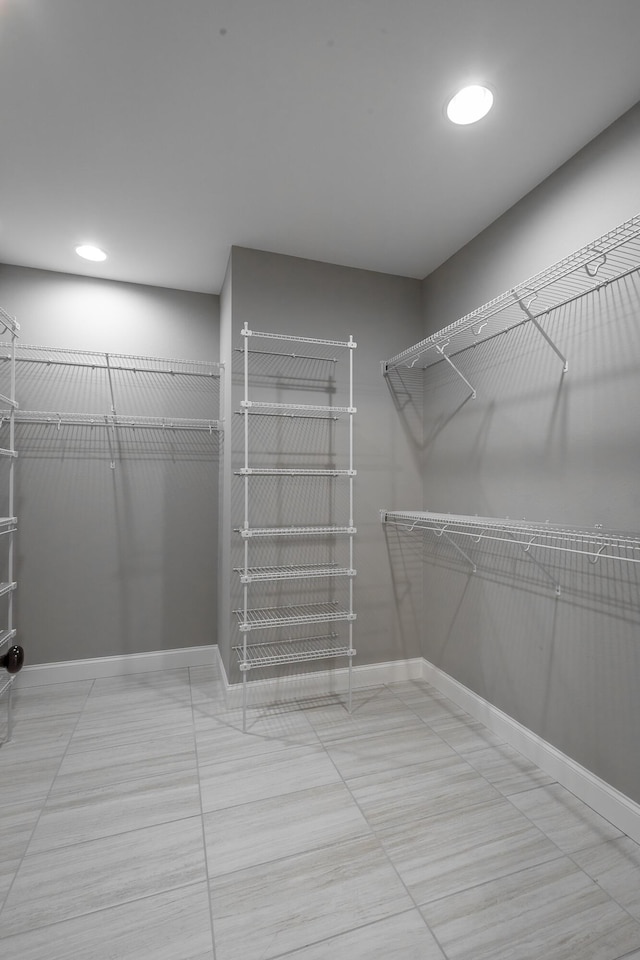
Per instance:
x=525, y=309
x=452, y=364
x=442, y=533
x=539, y=565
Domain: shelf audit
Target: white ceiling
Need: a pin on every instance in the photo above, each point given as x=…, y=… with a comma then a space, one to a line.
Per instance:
x=168, y=130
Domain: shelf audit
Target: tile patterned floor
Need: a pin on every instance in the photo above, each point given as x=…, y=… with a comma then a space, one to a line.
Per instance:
x=137, y=821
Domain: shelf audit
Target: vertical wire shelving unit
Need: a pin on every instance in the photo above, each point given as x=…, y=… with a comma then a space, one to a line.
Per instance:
x=277, y=621
x=11, y=655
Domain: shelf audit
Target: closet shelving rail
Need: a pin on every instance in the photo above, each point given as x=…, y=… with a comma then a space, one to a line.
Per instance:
x=11, y=655
x=286, y=650
x=113, y=363
x=611, y=257
x=534, y=538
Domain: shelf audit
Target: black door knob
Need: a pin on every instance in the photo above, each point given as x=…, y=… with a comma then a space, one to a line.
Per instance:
x=13, y=659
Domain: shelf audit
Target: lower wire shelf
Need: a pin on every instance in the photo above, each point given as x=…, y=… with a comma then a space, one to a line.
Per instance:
x=291, y=616
x=299, y=650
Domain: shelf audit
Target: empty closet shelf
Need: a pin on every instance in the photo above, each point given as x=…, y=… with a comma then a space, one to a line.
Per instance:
x=277, y=408
x=294, y=531
x=290, y=572
x=115, y=421
x=291, y=651
x=292, y=472
x=610, y=257
x=267, y=617
x=293, y=339
x=595, y=544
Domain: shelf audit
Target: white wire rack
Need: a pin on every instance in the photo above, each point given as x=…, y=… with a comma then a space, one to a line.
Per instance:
x=291, y=615
x=9, y=331
x=596, y=545
x=292, y=572
x=111, y=420
x=305, y=649
x=610, y=257
x=319, y=531
x=289, y=472
x=304, y=407
x=284, y=650
x=99, y=360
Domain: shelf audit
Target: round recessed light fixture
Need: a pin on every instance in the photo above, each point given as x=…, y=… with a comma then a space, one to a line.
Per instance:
x=470, y=105
x=88, y=252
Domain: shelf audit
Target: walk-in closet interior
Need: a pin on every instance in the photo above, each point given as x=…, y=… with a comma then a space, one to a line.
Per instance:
x=320, y=536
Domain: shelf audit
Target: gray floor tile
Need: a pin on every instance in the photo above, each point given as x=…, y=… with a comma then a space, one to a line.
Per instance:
x=169, y=926
x=36, y=737
x=390, y=799
x=26, y=780
x=50, y=700
x=221, y=737
x=115, y=808
x=465, y=734
x=8, y=870
x=615, y=866
x=287, y=904
x=86, y=877
x=255, y=833
x=83, y=769
x=372, y=712
x=17, y=823
x=569, y=822
x=553, y=911
x=224, y=783
x=451, y=851
x=507, y=770
x=405, y=937
x=391, y=749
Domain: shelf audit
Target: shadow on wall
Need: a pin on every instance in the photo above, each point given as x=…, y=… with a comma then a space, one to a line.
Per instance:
x=406, y=556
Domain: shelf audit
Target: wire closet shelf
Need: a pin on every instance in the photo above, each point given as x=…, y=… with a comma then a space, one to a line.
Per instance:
x=286, y=617
x=611, y=257
x=109, y=363
x=534, y=538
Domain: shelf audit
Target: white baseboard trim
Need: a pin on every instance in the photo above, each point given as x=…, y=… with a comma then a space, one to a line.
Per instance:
x=319, y=683
x=96, y=668
x=614, y=806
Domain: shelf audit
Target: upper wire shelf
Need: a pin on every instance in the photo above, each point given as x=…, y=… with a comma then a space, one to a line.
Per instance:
x=610, y=257
x=104, y=360
x=292, y=572
x=307, y=407
x=350, y=344
x=308, y=531
x=112, y=420
x=596, y=544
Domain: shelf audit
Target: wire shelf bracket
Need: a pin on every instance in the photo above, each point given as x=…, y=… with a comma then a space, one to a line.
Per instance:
x=611, y=257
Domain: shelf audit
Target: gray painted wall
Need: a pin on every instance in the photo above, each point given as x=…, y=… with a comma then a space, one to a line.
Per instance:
x=545, y=446
x=123, y=560
x=295, y=296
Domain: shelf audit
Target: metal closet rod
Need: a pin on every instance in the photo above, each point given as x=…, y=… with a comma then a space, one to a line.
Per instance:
x=594, y=544
x=610, y=257
x=61, y=356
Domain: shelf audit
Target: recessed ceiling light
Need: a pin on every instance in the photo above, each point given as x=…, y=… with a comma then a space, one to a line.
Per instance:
x=470, y=104
x=89, y=252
